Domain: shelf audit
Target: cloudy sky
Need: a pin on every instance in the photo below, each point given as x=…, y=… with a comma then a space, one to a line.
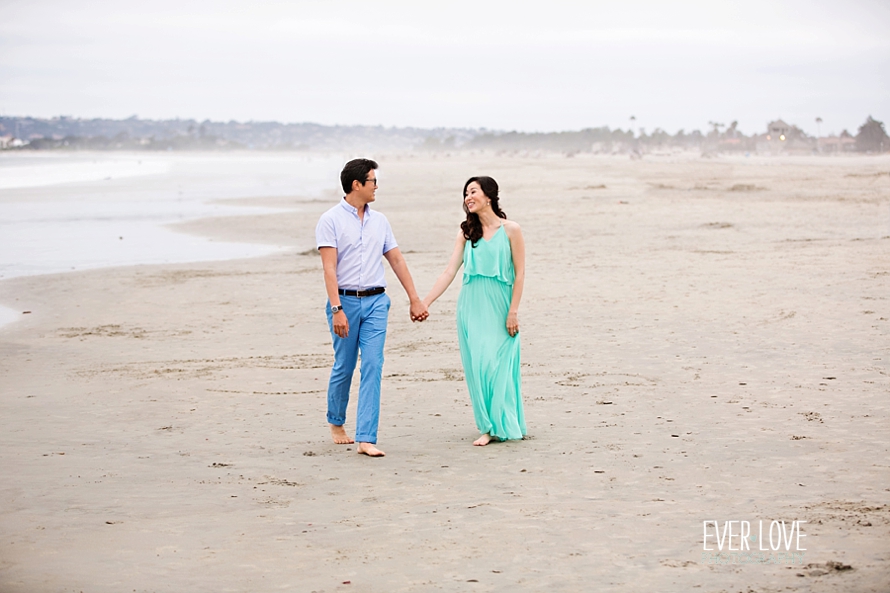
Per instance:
x=506, y=65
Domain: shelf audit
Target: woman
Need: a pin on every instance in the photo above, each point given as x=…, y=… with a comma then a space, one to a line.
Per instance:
x=492, y=251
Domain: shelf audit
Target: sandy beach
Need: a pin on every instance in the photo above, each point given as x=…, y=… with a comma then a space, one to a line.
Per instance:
x=703, y=340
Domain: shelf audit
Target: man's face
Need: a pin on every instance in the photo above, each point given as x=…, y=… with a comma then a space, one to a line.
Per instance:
x=366, y=192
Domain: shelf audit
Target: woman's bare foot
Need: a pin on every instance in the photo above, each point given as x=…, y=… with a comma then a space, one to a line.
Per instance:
x=483, y=440
x=369, y=449
x=340, y=436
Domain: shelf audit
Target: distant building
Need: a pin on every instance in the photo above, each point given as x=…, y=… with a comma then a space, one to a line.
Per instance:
x=783, y=138
x=777, y=136
x=777, y=131
x=842, y=143
x=11, y=142
x=730, y=144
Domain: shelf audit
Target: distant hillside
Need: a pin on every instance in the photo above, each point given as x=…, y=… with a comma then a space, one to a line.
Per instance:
x=188, y=134
x=184, y=134
x=68, y=133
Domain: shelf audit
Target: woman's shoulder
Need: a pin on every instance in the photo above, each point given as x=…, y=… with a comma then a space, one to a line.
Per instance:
x=460, y=239
x=512, y=228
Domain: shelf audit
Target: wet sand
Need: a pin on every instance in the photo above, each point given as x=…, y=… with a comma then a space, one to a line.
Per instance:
x=703, y=339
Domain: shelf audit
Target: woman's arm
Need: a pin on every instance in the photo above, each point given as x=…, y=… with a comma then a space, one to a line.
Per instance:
x=517, y=246
x=445, y=279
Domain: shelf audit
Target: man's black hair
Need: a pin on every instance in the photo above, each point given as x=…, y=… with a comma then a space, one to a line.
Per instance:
x=356, y=170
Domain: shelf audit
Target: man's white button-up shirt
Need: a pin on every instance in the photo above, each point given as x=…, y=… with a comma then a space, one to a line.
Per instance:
x=360, y=244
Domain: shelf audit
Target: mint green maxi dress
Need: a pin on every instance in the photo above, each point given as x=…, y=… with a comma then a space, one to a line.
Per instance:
x=489, y=355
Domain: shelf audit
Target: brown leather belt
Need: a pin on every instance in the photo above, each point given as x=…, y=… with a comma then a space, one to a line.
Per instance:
x=361, y=293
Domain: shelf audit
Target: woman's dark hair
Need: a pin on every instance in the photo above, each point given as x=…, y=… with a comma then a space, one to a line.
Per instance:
x=472, y=226
x=356, y=170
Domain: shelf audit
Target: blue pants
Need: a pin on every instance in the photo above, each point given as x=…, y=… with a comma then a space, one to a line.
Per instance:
x=367, y=318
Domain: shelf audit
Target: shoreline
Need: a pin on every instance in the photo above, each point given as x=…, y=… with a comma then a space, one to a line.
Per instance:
x=63, y=214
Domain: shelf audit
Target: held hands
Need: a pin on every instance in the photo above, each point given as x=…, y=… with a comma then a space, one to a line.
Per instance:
x=419, y=310
x=512, y=323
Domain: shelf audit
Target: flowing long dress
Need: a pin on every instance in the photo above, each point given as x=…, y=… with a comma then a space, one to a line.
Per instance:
x=489, y=354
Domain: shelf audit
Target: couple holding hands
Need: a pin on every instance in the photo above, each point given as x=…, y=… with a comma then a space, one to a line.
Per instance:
x=351, y=238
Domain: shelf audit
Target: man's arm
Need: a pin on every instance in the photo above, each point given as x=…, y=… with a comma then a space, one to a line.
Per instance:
x=329, y=263
x=400, y=267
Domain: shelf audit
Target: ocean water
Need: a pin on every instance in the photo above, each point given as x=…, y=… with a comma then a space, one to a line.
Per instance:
x=69, y=212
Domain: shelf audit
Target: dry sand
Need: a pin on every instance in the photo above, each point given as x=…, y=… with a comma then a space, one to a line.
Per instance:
x=702, y=340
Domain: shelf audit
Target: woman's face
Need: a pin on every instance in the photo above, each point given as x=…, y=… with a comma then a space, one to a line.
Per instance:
x=474, y=199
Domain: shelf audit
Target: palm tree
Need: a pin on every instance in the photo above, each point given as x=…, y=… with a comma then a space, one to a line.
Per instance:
x=818, y=133
x=716, y=126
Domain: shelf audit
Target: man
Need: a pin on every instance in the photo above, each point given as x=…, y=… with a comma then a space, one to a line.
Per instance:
x=351, y=239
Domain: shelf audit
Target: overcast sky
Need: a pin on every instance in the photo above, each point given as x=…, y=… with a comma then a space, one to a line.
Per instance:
x=506, y=65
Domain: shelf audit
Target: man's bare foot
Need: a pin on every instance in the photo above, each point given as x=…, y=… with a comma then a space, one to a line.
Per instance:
x=369, y=449
x=483, y=440
x=340, y=436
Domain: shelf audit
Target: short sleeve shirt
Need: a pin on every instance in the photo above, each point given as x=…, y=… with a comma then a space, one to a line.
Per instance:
x=360, y=244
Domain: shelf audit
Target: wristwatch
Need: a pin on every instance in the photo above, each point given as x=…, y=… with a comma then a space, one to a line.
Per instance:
x=335, y=308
